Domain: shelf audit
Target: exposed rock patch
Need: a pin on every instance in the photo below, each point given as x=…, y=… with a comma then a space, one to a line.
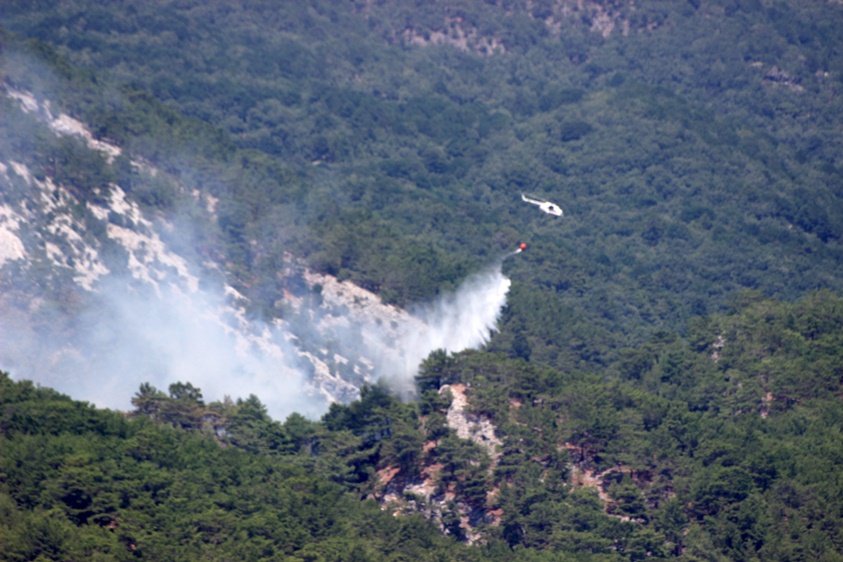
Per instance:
x=426, y=494
x=11, y=247
x=457, y=33
x=473, y=428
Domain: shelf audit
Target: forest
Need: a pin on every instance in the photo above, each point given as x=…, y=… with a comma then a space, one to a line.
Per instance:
x=676, y=335
x=690, y=168
x=704, y=448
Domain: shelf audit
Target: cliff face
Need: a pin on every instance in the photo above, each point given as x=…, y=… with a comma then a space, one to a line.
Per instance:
x=473, y=428
x=442, y=499
x=103, y=287
x=73, y=256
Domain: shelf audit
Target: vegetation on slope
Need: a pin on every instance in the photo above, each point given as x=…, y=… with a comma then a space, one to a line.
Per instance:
x=724, y=445
x=692, y=145
x=80, y=483
x=695, y=149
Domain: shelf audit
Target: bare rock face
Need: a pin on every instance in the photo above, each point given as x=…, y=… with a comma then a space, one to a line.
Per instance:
x=456, y=33
x=442, y=26
x=11, y=247
x=103, y=288
x=104, y=253
x=427, y=493
x=472, y=428
x=68, y=232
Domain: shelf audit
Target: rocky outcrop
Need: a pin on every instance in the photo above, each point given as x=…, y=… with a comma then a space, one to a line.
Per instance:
x=49, y=229
x=456, y=33
x=427, y=494
x=601, y=17
x=327, y=335
x=471, y=427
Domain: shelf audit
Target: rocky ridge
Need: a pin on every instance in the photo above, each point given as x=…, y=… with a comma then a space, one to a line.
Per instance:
x=47, y=229
x=427, y=493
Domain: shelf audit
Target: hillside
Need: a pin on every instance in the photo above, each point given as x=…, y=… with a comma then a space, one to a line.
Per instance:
x=96, y=283
x=725, y=446
x=290, y=229
x=694, y=147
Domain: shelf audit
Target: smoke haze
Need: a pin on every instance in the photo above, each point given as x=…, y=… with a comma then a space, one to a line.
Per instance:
x=129, y=335
x=461, y=320
x=153, y=319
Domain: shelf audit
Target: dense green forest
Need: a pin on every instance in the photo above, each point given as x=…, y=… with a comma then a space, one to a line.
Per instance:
x=722, y=446
x=83, y=484
x=694, y=146
x=666, y=377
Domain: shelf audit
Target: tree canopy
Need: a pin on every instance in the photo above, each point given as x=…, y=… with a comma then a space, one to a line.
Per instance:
x=693, y=146
x=722, y=444
x=665, y=381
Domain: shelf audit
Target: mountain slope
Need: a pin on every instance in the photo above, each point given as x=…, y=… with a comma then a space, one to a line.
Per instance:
x=693, y=146
x=98, y=296
x=723, y=445
x=614, y=415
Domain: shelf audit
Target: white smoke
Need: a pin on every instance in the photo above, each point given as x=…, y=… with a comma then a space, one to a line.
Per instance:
x=160, y=327
x=196, y=337
x=159, y=322
x=461, y=320
x=135, y=335
x=129, y=337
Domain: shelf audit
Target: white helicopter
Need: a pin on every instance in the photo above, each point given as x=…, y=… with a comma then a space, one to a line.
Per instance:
x=546, y=206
